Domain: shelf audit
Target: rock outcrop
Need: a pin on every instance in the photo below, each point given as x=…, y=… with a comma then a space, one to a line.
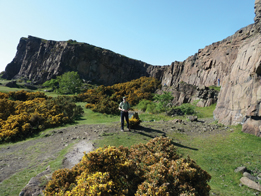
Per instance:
x=188, y=93
x=236, y=61
x=258, y=14
x=39, y=60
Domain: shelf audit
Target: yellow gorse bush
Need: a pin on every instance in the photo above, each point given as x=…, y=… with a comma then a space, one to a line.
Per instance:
x=134, y=120
x=145, y=169
x=20, y=117
x=106, y=99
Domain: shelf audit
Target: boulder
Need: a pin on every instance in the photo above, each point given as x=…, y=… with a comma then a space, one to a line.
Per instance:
x=12, y=84
x=31, y=87
x=37, y=184
x=249, y=176
x=241, y=169
x=252, y=126
x=250, y=183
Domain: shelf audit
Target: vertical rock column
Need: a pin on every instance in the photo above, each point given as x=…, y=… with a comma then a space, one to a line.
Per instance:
x=258, y=15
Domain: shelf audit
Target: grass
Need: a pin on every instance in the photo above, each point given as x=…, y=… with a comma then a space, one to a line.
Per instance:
x=218, y=154
x=201, y=112
x=126, y=139
x=6, y=89
x=145, y=116
x=205, y=112
x=217, y=88
x=14, y=184
x=90, y=117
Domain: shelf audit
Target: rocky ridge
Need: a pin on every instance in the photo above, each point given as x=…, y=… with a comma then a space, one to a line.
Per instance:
x=39, y=60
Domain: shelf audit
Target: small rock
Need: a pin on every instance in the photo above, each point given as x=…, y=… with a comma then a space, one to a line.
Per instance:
x=250, y=183
x=193, y=118
x=177, y=121
x=180, y=130
x=240, y=169
x=249, y=176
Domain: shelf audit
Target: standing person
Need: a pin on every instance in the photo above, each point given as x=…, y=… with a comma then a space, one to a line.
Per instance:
x=218, y=82
x=124, y=108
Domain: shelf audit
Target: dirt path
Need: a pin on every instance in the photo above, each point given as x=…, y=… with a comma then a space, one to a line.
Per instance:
x=33, y=152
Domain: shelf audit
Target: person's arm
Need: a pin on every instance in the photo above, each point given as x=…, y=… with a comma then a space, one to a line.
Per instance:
x=120, y=107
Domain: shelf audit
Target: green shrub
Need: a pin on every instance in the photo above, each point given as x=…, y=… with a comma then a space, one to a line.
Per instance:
x=187, y=108
x=24, y=95
x=143, y=104
x=152, y=108
x=69, y=83
x=217, y=88
x=163, y=100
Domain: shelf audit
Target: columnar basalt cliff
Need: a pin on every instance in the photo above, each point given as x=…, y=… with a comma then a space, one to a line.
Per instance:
x=39, y=60
x=236, y=61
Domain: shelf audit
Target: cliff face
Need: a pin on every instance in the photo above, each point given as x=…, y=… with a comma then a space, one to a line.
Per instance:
x=39, y=60
x=236, y=61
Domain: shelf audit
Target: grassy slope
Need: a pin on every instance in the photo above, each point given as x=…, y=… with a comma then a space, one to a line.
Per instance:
x=221, y=154
x=217, y=154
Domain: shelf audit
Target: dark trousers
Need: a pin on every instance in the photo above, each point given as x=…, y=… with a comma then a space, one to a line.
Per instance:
x=126, y=115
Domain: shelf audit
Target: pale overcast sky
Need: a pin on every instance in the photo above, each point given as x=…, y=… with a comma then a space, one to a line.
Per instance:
x=157, y=32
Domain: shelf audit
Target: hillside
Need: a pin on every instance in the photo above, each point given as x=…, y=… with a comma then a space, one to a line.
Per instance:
x=235, y=61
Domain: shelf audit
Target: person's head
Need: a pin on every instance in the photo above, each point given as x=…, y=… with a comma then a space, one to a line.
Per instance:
x=124, y=99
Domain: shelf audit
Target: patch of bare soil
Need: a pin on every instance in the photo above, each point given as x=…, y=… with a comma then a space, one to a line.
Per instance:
x=34, y=152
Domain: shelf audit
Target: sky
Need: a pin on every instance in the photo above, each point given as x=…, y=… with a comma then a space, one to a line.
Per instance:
x=157, y=32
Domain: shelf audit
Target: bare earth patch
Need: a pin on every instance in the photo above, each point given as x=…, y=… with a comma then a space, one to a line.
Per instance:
x=76, y=154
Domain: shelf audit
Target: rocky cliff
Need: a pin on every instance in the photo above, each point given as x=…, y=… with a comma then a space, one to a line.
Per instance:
x=236, y=61
x=39, y=60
